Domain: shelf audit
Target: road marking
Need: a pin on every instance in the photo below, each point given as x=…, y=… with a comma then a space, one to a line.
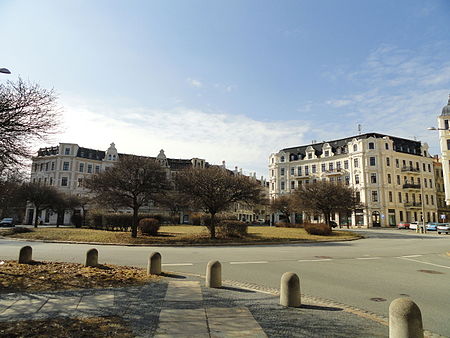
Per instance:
x=178, y=264
x=415, y=260
x=257, y=262
x=314, y=260
x=410, y=256
x=368, y=258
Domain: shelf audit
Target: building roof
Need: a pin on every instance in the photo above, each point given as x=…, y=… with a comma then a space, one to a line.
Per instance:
x=446, y=109
x=340, y=146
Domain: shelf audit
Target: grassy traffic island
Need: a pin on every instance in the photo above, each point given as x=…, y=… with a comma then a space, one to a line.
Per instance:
x=179, y=235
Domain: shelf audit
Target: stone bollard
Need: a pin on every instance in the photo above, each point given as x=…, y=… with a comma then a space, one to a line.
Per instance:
x=214, y=274
x=92, y=257
x=154, y=264
x=405, y=319
x=26, y=255
x=290, y=290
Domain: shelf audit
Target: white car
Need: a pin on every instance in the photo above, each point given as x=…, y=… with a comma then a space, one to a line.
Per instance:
x=413, y=225
x=443, y=228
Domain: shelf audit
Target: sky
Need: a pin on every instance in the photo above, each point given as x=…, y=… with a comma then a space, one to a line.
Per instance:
x=232, y=80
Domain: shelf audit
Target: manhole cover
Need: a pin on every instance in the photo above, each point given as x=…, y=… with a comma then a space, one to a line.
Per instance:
x=377, y=299
x=432, y=272
x=323, y=256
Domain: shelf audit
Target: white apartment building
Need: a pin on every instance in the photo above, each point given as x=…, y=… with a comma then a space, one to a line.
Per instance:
x=67, y=165
x=394, y=177
x=444, y=142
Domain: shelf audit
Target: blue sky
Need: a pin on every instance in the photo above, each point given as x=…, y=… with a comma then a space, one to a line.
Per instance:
x=232, y=80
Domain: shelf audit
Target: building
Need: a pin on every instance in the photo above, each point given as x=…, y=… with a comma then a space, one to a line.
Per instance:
x=67, y=165
x=444, y=142
x=442, y=208
x=390, y=174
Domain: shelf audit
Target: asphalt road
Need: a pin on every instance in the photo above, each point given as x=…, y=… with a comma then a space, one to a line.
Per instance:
x=367, y=273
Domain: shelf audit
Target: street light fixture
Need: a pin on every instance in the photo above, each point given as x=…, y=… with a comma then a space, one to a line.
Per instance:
x=5, y=71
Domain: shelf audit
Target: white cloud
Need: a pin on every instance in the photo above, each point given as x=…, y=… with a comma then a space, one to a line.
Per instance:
x=194, y=83
x=182, y=133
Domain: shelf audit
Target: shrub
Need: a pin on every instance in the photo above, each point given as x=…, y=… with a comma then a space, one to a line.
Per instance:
x=17, y=230
x=232, y=229
x=149, y=226
x=76, y=220
x=117, y=221
x=320, y=229
x=95, y=220
x=288, y=225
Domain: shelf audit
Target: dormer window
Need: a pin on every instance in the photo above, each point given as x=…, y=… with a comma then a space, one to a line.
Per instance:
x=109, y=157
x=114, y=157
x=67, y=151
x=371, y=145
x=355, y=147
x=282, y=159
x=327, y=153
x=309, y=156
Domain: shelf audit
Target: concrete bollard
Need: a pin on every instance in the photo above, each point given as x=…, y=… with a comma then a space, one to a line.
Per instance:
x=154, y=264
x=92, y=257
x=290, y=290
x=214, y=274
x=405, y=319
x=26, y=255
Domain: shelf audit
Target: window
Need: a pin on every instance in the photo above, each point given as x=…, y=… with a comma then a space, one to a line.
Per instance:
x=371, y=145
x=398, y=179
x=429, y=167
x=67, y=151
x=338, y=165
x=356, y=179
x=406, y=197
x=400, y=197
x=446, y=124
x=358, y=196
x=292, y=171
x=110, y=157
x=97, y=169
x=282, y=159
x=374, y=196
x=51, y=180
x=390, y=196
x=282, y=185
x=389, y=178
x=66, y=166
x=273, y=186
x=281, y=171
x=426, y=199
x=327, y=153
x=39, y=180
x=41, y=167
x=425, y=181
x=299, y=171
x=292, y=184
x=448, y=144
x=272, y=172
x=397, y=163
x=373, y=178
x=46, y=166
x=355, y=147
x=424, y=167
x=386, y=146
x=306, y=170
x=313, y=168
x=89, y=168
x=432, y=199
x=80, y=182
x=345, y=164
x=309, y=156
x=355, y=163
x=53, y=165
x=388, y=161
x=372, y=161
x=323, y=167
x=330, y=166
x=401, y=216
x=431, y=183
x=64, y=182
x=347, y=180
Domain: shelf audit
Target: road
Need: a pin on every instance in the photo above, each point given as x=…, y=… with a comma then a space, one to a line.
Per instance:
x=367, y=273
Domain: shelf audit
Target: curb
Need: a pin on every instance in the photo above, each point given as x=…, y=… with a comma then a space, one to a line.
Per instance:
x=184, y=244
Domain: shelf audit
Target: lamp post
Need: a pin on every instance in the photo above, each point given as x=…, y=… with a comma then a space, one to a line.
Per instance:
x=5, y=71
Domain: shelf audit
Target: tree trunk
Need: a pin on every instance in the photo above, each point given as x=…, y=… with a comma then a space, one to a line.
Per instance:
x=135, y=222
x=212, y=227
x=36, y=217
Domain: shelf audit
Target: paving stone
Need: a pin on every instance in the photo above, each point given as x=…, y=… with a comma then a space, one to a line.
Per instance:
x=183, y=292
x=94, y=302
x=259, y=333
x=64, y=304
x=181, y=315
x=233, y=324
x=183, y=328
x=195, y=335
x=221, y=312
x=23, y=307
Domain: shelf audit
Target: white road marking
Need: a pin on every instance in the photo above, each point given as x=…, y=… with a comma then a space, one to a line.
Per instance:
x=257, y=262
x=415, y=260
x=314, y=260
x=177, y=264
x=368, y=258
x=410, y=256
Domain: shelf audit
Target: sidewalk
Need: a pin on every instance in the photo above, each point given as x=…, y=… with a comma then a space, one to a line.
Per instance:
x=183, y=307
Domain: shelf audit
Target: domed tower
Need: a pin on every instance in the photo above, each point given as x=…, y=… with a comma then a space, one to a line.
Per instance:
x=111, y=153
x=444, y=142
x=162, y=159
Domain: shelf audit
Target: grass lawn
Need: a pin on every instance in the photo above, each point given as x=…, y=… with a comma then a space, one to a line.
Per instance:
x=180, y=234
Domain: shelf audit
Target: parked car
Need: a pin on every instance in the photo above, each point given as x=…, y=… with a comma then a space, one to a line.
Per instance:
x=432, y=226
x=403, y=225
x=7, y=222
x=443, y=228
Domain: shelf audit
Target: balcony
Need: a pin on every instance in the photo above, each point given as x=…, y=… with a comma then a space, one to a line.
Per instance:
x=302, y=176
x=413, y=205
x=411, y=186
x=412, y=170
x=333, y=172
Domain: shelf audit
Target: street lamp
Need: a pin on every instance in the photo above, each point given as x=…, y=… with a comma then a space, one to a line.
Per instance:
x=5, y=71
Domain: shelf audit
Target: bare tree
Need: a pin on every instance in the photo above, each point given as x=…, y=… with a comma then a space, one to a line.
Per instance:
x=27, y=113
x=174, y=200
x=215, y=190
x=284, y=204
x=11, y=201
x=41, y=196
x=325, y=198
x=132, y=182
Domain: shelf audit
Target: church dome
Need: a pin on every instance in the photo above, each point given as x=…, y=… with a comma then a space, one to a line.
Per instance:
x=446, y=109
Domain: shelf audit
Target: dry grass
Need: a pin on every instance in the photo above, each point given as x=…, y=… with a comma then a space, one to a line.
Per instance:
x=50, y=276
x=111, y=326
x=180, y=234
